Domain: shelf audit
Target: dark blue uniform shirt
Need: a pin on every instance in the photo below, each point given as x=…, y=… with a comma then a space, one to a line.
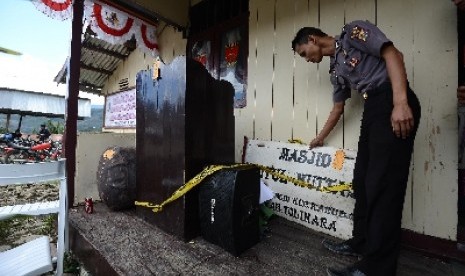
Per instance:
x=357, y=63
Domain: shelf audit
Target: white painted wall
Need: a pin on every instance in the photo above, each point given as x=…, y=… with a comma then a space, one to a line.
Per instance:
x=172, y=44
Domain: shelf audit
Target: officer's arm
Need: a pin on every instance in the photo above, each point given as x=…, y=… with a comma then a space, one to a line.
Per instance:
x=461, y=95
x=401, y=118
x=460, y=4
x=333, y=118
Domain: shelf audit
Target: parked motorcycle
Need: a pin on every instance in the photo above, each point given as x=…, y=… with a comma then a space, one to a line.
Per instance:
x=15, y=149
x=18, y=154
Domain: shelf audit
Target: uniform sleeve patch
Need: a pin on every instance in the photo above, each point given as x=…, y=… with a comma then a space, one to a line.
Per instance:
x=359, y=33
x=353, y=62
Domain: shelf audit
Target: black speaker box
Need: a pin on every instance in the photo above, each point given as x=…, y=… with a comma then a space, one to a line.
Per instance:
x=228, y=209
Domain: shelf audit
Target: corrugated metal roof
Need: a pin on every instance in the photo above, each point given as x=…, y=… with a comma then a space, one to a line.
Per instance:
x=99, y=59
x=32, y=103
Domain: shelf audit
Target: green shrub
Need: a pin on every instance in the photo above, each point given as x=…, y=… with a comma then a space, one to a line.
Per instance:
x=55, y=127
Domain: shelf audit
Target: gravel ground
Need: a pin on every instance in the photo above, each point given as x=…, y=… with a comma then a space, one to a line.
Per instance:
x=17, y=230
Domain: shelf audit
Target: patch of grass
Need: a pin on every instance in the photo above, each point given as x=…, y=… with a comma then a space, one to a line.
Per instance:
x=48, y=226
x=5, y=229
x=10, y=225
x=70, y=264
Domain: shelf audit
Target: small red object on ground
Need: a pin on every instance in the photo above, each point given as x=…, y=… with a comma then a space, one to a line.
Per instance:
x=89, y=207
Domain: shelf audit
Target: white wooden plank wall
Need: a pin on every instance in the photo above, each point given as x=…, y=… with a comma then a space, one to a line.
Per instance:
x=264, y=66
x=288, y=98
x=283, y=62
x=434, y=192
x=305, y=78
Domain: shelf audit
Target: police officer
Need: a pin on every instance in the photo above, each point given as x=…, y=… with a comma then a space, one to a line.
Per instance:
x=364, y=59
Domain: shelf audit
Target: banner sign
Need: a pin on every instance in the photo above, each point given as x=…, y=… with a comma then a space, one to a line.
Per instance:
x=327, y=212
x=120, y=109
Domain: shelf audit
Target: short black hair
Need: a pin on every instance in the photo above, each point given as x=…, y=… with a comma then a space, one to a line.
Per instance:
x=302, y=35
x=42, y=125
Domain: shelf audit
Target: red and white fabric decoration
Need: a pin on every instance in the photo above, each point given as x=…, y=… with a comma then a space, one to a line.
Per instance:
x=110, y=24
x=146, y=37
x=56, y=9
x=116, y=27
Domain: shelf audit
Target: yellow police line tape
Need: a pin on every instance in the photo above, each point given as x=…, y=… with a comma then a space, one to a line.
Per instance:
x=296, y=141
x=190, y=184
x=214, y=168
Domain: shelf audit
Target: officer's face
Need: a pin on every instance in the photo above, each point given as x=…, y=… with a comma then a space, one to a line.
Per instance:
x=310, y=51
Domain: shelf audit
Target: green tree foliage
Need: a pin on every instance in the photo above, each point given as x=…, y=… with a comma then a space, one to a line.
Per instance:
x=55, y=127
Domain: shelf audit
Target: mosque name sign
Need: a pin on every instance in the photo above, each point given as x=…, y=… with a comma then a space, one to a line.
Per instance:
x=324, y=202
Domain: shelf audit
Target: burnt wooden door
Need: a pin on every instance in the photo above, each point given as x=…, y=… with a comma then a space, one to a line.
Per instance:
x=184, y=122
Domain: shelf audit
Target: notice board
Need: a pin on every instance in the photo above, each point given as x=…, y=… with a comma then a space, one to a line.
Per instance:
x=120, y=109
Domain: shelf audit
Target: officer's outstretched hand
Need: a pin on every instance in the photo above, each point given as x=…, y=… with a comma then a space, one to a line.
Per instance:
x=316, y=142
x=402, y=120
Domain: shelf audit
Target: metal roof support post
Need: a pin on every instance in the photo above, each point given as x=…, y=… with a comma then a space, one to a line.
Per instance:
x=8, y=117
x=71, y=99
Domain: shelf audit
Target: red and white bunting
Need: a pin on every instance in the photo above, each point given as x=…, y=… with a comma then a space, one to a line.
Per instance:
x=56, y=9
x=110, y=24
x=116, y=27
x=146, y=37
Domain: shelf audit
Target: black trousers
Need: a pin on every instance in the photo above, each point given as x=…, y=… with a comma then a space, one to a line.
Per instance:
x=380, y=180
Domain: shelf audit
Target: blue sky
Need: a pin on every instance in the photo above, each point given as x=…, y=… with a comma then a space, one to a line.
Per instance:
x=44, y=43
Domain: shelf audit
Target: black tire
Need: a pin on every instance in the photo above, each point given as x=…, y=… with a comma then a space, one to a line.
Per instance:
x=116, y=178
